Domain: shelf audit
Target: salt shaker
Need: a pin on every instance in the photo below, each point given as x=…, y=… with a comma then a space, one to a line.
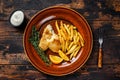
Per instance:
x=17, y=19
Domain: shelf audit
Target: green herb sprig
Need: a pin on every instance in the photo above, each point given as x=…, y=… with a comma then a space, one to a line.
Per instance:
x=34, y=40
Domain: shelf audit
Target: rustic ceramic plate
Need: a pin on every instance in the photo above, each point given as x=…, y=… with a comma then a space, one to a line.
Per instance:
x=49, y=15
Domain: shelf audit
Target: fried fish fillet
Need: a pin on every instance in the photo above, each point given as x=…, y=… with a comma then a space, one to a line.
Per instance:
x=47, y=34
x=49, y=40
x=43, y=44
x=55, y=44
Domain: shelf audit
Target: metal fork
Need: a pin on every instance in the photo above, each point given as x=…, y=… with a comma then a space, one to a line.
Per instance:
x=100, y=40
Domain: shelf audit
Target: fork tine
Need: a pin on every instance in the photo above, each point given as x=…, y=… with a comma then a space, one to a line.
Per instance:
x=100, y=33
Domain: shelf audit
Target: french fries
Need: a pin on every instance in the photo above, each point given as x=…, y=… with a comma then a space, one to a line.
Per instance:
x=71, y=40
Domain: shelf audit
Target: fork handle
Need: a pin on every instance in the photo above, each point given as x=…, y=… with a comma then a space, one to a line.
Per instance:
x=100, y=58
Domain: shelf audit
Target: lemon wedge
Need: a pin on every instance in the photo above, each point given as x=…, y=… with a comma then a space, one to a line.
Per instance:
x=55, y=59
x=63, y=55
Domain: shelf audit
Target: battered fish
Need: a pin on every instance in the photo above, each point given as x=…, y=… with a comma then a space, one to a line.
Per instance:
x=49, y=40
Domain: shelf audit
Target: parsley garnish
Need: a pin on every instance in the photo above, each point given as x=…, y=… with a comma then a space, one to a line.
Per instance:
x=34, y=39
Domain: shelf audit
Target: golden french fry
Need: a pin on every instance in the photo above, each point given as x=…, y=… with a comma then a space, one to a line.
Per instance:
x=60, y=38
x=71, y=29
x=74, y=39
x=63, y=55
x=70, y=45
x=76, y=32
x=67, y=37
x=59, y=33
x=71, y=49
x=76, y=51
x=62, y=34
x=71, y=55
x=62, y=27
x=75, y=54
x=56, y=24
x=67, y=29
x=75, y=36
x=74, y=27
x=81, y=39
x=67, y=32
x=63, y=44
x=77, y=39
x=66, y=45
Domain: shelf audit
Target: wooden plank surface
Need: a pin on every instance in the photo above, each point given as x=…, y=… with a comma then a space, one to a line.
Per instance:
x=28, y=72
x=89, y=9
x=15, y=65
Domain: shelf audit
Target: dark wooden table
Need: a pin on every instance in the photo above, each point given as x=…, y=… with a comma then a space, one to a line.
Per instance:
x=14, y=64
